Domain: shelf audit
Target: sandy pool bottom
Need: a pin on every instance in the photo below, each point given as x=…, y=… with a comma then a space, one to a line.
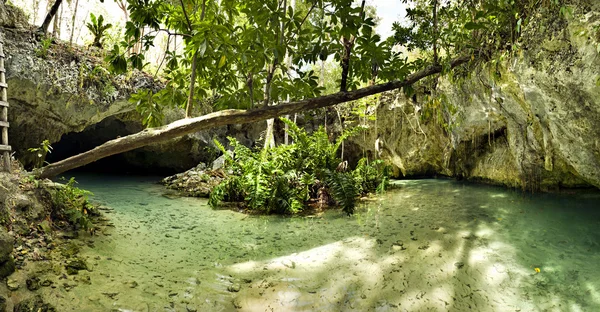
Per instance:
x=432, y=245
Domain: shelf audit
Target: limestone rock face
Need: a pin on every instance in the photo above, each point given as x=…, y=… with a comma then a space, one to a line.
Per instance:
x=533, y=121
x=12, y=17
x=53, y=91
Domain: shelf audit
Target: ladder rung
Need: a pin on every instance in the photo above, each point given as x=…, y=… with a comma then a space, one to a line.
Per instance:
x=5, y=148
x=2, y=70
x=2, y=55
x=3, y=103
x=4, y=124
x=3, y=85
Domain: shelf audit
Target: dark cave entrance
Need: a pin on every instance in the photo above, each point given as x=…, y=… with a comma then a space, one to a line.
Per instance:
x=133, y=162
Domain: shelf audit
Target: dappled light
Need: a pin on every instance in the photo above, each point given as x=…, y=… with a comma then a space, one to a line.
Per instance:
x=409, y=251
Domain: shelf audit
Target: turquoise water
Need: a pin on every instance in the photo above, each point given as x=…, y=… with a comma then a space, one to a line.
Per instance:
x=431, y=245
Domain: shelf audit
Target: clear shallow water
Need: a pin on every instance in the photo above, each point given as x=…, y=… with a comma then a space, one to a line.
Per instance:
x=432, y=245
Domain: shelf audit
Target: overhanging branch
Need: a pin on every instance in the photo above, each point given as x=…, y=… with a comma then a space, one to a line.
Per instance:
x=226, y=117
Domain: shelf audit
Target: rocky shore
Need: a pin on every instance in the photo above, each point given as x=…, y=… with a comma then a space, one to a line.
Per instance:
x=38, y=245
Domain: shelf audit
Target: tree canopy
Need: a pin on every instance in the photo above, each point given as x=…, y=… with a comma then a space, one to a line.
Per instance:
x=247, y=54
x=254, y=53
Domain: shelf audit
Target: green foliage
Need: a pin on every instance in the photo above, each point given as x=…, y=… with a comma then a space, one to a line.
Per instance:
x=344, y=189
x=284, y=179
x=372, y=176
x=44, y=47
x=71, y=204
x=40, y=153
x=249, y=51
x=98, y=29
x=146, y=105
x=116, y=60
x=97, y=77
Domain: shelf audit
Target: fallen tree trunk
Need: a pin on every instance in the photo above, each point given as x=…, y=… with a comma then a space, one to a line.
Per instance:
x=226, y=117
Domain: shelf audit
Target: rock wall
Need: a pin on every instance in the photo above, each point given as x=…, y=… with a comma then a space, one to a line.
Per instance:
x=531, y=121
x=59, y=90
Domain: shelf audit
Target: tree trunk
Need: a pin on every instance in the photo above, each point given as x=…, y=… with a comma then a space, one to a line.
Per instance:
x=347, y=45
x=123, y=6
x=73, y=21
x=190, y=102
x=44, y=28
x=56, y=25
x=269, y=137
x=435, y=32
x=226, y=117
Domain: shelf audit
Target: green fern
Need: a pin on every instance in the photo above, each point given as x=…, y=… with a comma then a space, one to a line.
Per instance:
x=343, y=189
x=371, y=176
x=284, y=178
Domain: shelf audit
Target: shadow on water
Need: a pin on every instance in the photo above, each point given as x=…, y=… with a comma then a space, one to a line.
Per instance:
x=432, y=245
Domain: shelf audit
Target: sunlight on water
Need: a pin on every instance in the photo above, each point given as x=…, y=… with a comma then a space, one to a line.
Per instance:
x=431, y=245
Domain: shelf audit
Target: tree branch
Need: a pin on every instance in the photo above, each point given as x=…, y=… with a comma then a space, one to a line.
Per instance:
x=226, y=117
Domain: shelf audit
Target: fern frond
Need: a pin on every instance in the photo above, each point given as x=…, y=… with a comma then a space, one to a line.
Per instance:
x=298, y=135
x=343, y=189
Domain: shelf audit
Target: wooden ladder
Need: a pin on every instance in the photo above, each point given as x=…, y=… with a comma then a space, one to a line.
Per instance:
x=5, y=149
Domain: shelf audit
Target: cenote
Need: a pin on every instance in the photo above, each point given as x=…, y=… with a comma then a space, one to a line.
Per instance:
x=304, y=140
x=428, y=245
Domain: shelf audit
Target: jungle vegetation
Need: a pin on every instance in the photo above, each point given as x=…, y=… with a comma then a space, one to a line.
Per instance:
x=245, y=61
x=286, y=178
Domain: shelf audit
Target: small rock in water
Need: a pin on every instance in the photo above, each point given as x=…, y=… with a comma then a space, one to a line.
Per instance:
x=234, y=288
x=191, y=309
x=33, y=283
x=85, y=279
x=132, y=284
x=12, y=284
x=76, y=265
x=459, y=264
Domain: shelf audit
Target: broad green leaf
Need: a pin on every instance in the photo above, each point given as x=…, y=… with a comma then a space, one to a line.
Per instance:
x=222, y=61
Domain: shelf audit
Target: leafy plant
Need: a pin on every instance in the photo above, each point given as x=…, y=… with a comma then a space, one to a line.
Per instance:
x=71, y=204
x=344, y=190
x=44, y=47
x=371, y=176
x=146, y=105
x=287, y=178
x=40, y=153
x=98, y=29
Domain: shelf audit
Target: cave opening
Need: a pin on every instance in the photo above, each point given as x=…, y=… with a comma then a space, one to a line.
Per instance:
x=133, y=162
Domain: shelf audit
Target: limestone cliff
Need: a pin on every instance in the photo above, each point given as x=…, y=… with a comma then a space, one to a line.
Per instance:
x=532, y=120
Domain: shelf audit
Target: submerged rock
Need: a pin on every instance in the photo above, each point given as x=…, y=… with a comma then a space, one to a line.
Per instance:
x=34, y=304
x=6, y=245
x=12, y=284
x=33, y=283
x=74, y=266
x=7, y=267
x=234, y=287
